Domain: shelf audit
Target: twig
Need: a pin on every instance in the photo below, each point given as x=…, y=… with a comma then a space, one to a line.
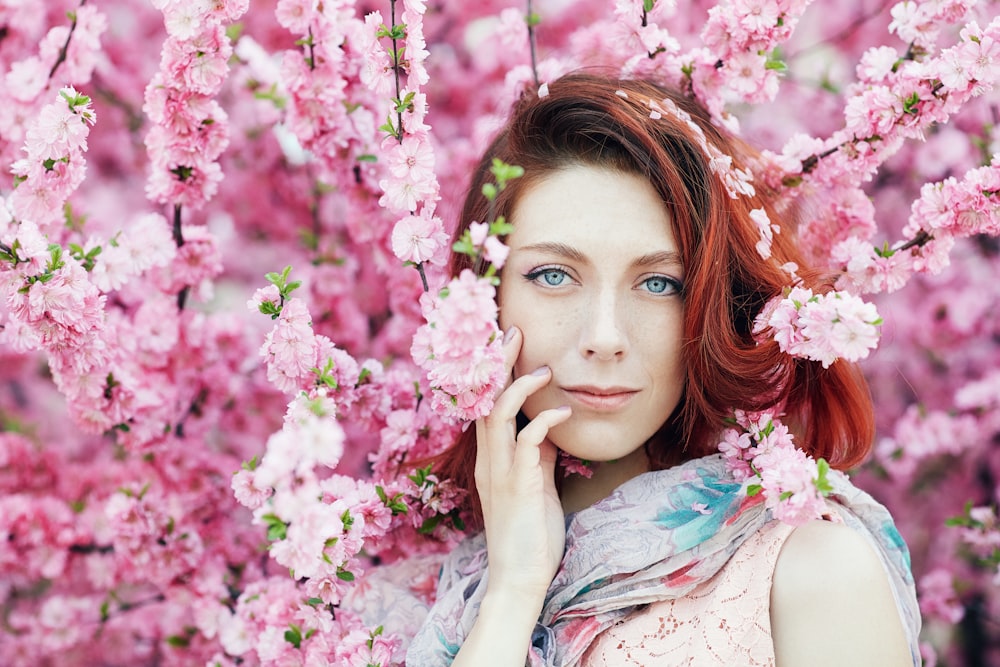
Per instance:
x=179, y=241
x=395, y=70
x=920, y=240
x=65, y=47
x=531, y=20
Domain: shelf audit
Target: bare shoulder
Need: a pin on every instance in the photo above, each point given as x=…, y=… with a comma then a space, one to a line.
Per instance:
x=831, y=602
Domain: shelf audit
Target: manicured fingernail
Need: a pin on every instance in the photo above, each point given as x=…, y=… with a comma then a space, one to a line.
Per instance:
x=564, y=408
x=508, y=334
x=543, y=370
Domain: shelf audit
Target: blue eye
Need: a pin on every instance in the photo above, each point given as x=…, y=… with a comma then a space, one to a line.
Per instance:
x=550, y=277
x=661, y=285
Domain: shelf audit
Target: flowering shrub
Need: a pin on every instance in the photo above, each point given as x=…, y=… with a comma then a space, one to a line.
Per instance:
x=168, y=457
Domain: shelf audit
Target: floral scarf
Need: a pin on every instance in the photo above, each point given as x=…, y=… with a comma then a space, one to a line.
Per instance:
x=658, y=536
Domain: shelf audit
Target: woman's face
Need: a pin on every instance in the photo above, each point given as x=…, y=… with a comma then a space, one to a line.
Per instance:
x=593, y=281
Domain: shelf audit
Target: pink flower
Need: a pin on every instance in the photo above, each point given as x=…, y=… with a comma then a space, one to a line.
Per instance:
x=295, y=15
x=419, y=238
x=247, y=492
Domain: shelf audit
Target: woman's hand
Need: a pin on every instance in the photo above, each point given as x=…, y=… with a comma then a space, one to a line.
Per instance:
x=525, y=527
x=515, y=478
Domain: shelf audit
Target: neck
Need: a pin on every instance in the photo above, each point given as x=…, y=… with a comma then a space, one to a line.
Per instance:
x=579, y=492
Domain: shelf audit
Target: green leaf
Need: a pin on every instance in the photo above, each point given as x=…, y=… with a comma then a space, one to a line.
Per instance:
x=489, y=191
x=754, y=489
x=276, y=528
x=647, y=5
x=178, y=641
x=233, y=31
x=500, y=227
x=504, y=172
x=293, y=635
x=344, y=575
x=822, y=483
x=429, y=524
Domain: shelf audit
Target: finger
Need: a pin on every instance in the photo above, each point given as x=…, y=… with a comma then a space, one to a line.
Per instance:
x=512, y=340
x=528, y=451
x=509, y=403
x=495, y=434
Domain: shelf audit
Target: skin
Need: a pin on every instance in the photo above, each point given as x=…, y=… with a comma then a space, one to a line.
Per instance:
x=591, y=299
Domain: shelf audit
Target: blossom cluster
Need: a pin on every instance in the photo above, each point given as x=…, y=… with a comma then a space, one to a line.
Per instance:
x=741, y=36
x=459, y=345
x=761, y=454
x=67, y=55
x=820, y=327
x=189, y=130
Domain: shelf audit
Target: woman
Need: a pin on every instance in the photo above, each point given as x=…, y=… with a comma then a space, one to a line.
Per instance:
x=628, y=301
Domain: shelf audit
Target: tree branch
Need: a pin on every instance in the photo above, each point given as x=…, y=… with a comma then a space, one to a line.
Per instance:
x=65, y=47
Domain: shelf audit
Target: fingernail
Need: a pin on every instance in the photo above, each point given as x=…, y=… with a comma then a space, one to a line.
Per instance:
x=543, y=370
x=508, y=334
x=564, y=408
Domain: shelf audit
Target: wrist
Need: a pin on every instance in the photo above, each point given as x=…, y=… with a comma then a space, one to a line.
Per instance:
x=513, y=605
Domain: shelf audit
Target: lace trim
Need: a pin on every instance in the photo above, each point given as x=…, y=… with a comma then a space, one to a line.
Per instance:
x=725, y=621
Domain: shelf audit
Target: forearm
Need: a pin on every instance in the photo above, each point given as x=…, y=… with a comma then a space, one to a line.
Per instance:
x=501, y=635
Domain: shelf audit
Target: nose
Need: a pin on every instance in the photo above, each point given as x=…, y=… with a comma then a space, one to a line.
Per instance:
x=603, y=334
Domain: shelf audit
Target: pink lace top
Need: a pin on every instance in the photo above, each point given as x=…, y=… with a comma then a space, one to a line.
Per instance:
x=724, y=621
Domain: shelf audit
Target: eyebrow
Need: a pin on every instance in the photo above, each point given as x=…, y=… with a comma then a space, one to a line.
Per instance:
x=569, y=252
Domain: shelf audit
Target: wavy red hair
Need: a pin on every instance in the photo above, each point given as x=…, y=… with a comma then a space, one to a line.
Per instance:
x=605, y=122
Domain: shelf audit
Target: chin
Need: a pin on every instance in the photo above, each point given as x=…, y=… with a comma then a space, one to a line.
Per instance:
x=598, y=442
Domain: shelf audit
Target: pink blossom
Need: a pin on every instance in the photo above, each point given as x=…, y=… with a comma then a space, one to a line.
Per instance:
x=419, y=238
x=294, y=15
x=247, y=492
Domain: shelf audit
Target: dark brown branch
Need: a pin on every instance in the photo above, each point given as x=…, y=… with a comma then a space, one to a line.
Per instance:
x=91, y=549
x=179, y=241
x=65, y=47
x=532, y=45
x=920, y=240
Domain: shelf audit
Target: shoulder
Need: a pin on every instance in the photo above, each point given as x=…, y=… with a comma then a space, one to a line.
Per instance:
x=831, y=603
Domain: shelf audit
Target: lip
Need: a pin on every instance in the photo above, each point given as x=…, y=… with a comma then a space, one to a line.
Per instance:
x=601, y=399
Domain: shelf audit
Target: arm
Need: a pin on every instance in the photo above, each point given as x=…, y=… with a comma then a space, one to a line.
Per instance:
x=525, y=529
x=831, y=604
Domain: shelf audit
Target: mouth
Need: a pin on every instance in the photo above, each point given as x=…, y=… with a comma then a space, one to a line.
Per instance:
x=601, y=399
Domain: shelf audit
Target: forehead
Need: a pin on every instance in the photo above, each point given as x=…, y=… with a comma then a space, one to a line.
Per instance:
x=594, y=209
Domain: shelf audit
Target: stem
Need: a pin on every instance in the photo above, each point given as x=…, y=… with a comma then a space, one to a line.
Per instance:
x=810, y=162
x=314, y=214
x=178, y=233
x=312, y=52
x=65, y=47
x=918, y=241
x=531, y=44
x=91, y=549
x=179, y=241
x=7, y=250
x=423, y=276
x=395, y=70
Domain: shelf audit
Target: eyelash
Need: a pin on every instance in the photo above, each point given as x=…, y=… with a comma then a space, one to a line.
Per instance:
x=674, y=286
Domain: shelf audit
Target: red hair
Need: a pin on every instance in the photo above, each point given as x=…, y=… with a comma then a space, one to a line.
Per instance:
x=592, y=120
